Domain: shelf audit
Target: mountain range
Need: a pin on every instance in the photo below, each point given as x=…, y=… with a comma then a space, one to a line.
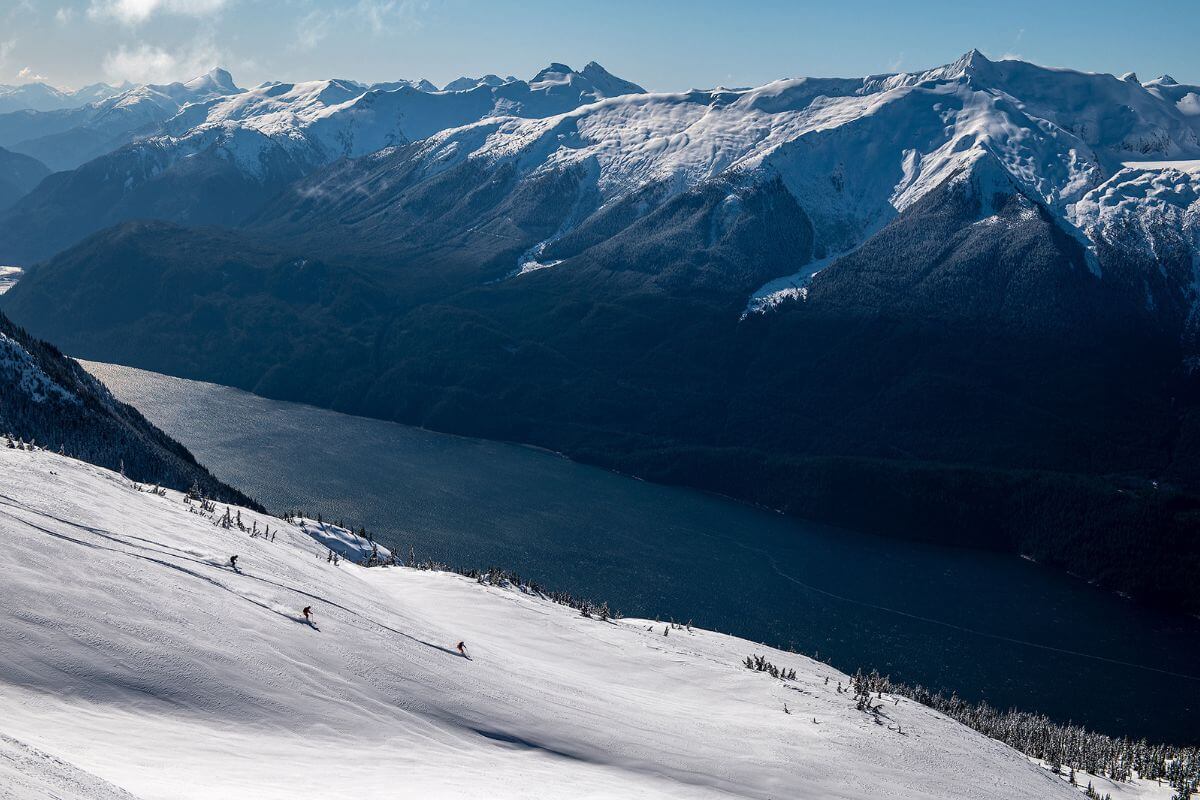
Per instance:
x=40, y=96
x=207, y=152
x=969, y=293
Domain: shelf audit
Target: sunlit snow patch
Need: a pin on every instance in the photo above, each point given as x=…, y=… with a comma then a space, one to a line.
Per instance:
x=786, y=289
x=9, y=277
x=534, y=266
x=1182, y=166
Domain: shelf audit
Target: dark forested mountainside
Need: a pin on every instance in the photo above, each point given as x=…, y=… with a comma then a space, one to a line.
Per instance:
x=19, y=174
x=48, y=399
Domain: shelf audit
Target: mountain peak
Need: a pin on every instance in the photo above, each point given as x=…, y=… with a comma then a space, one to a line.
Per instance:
x=972, y=61
x=216, y=79
x=1167, y=80
x=555, y=68
x=466, y=83
x=594, y=68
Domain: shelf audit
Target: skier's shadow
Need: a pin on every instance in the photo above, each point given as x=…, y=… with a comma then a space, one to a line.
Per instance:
x=303, y=621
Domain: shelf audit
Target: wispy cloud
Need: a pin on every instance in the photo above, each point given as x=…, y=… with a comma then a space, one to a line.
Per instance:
x=376, y=16
x=6, y=48
x=146, y=63
x=312, y=28
x=133, y=12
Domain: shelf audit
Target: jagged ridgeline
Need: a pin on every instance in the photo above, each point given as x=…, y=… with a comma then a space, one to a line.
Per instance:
x=47, y=398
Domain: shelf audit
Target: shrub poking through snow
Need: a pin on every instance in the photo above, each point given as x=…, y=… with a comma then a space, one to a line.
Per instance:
x=760, y=664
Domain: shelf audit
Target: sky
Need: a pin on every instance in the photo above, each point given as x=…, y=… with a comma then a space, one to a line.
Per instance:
x=664, y=45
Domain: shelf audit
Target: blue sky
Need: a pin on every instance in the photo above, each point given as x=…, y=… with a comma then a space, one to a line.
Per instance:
x=664, y=45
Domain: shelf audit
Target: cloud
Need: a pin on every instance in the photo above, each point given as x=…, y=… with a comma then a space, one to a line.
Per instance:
x=64, y=15
x=312, y=28
x=379, y=14
x=376, y=16
x=6, y=48
x=29, y=76
x=146, y=63
x=132, y=12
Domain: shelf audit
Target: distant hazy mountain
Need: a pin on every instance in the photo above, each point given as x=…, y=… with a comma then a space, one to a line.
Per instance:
x=18, y=175
x=43, y=97
x=64, y=139
x=464, y=83
x=969, y=293
x=223, y=152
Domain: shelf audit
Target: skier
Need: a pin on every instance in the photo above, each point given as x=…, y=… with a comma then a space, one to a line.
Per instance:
x=462, y=649
x=233, y=563
x=308, y=614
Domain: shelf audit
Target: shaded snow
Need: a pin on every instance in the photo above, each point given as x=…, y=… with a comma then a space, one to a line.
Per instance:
x=343, y=541
x=18, y=367
x=786, y=289
x=27, y=773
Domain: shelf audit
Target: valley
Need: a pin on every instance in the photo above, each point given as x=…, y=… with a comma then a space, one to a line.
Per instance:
x=1002, y=355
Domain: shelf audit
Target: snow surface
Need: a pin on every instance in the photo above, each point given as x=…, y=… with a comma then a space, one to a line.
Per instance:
x=135, y=658
x=343, y=541
x=1151, y=207
x=9, y=277
x=1182, y=166
x=18, y=368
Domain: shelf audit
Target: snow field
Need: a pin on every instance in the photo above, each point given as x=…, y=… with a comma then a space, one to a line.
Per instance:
x=139, y=660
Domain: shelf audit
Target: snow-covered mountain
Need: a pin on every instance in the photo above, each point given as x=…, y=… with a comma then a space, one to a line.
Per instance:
x=64, y=139
x=250, y=144
x=44, y=97
x=464, y=83
x=855, y=153
x=327, y=120
x=138, y=663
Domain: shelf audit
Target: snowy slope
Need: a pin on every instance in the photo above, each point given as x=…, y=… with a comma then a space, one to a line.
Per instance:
x=135, y=656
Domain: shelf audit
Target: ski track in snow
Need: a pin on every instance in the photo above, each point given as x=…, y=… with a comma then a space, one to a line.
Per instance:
x=136, y=658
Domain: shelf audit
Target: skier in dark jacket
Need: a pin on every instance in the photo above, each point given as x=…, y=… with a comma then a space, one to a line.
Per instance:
x=308, y=614
x=233, y=563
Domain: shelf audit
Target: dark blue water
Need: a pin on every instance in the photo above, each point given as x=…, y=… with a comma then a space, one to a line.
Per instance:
x=991, y=627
